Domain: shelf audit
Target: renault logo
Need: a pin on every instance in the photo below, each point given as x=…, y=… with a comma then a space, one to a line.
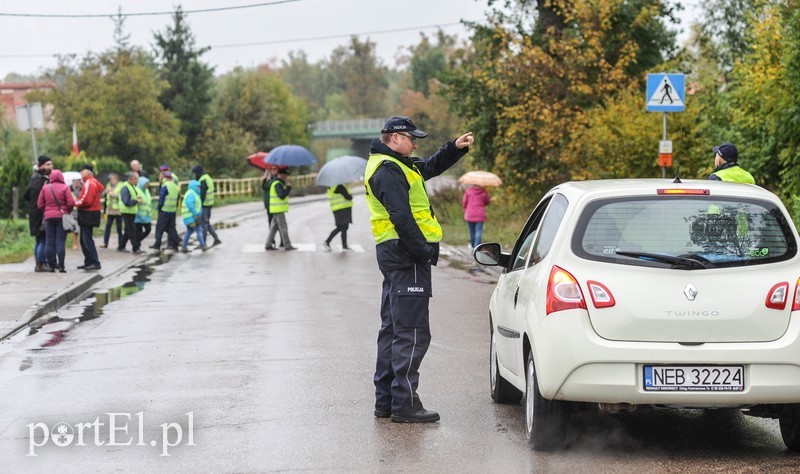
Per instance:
x=690, y=291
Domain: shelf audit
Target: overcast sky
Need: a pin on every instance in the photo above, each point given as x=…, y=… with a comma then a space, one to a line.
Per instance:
x=237, y=37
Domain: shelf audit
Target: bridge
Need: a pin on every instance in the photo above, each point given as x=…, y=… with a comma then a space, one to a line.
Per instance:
x=359, y=131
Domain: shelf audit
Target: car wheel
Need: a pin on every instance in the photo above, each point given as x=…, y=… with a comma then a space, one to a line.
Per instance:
x=789, y=421
x=501, y=389
x=545, y=420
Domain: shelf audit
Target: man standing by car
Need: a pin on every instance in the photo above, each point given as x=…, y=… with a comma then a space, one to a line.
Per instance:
x=726, y=165
x=407, y=235
x=89, y=217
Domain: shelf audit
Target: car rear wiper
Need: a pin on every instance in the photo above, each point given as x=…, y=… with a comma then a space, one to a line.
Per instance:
x=664, y=258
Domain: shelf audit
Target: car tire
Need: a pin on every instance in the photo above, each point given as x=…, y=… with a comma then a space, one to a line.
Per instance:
x=501, y=389
x=545, y=420
x=789, y=421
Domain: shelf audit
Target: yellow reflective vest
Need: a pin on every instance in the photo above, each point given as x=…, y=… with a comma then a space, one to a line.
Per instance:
x=276, y=204
x=382, y=227
x=337, y=200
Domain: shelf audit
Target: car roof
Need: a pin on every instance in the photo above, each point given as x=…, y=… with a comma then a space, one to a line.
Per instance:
x=593, y=189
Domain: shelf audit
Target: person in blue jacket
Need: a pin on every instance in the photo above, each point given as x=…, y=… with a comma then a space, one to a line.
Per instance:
x=192, y=213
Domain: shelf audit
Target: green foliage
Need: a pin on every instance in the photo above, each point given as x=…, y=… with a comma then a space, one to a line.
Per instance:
x=361, y=77
x=15, y=171
x=113, y=98
x=223, y=149
x=259, y=103
x=527, y=92
x=16, y=243
x=188, y=94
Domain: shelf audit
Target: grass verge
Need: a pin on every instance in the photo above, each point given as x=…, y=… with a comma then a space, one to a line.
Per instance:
x=16, y=243
x=503, y=220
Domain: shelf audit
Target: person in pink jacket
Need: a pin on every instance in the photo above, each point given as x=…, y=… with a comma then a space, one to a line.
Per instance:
x=474, y=203
x=55, y=199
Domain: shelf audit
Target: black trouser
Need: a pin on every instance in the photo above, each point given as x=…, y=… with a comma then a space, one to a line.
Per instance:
x=110, y=220
x=143, y=230
x=130, y=232
x=166, y=222
x=339, y=228
x=87, y=246
x=404, y=337
x=207, y=227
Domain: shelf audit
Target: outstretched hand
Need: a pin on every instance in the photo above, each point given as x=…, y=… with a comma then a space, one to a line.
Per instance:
x=464, y=140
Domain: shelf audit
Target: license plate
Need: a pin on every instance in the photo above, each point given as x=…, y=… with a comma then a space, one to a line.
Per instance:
x=694, y=378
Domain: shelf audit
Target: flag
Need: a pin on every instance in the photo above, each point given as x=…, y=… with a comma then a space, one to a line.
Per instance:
x=74, y=139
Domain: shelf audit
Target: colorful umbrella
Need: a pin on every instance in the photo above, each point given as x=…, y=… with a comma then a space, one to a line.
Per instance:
x=481, y=178
x=257, y=160
x=342, y=170
x=290, y=155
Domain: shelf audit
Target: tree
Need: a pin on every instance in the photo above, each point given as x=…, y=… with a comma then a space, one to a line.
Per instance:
x=261, y=104
x=15, y=171
x=361, y=76
x=113, y=99
x=188, y=94
x=527, y=90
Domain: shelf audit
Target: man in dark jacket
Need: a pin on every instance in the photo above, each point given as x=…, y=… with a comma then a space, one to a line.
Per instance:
x=36, y=215
x=407, y=235
x=726, y=165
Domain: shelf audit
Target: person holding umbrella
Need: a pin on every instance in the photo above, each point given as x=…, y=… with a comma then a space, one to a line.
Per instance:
x=474, y=204
x=342, y=206
x=407, y=237
x=278, y=207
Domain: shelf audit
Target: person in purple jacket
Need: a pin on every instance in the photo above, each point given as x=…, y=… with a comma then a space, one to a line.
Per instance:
x=474, y=203
x=55, y=199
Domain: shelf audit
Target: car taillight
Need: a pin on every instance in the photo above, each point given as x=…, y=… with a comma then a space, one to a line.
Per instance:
x=601, y=297
x=796, y=303
x=777, y=296
x=563, y=291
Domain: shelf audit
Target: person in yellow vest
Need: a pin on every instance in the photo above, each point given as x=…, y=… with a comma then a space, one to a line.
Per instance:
x=407, y=237
x=278, y=207
x=342, y=206
x=129, y=198
x=207, y=196
x=113, y=215
x=168, y=198
x=726, y=165
x=144, y=216
x=192, y=213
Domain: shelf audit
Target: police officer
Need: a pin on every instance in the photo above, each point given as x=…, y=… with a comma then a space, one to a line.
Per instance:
x=726, y=166
x=407, y=235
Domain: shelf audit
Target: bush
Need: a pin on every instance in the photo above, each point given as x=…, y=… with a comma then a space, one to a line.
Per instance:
x=15, y=171
x=17, y=243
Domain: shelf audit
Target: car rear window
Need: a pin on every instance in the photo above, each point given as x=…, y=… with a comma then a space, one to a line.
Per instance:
x=717, y=232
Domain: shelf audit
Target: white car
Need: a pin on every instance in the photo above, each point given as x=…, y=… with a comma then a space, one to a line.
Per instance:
x=623, y=293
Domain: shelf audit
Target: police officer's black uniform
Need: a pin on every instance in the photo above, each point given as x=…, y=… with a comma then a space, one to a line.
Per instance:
x=405, y=263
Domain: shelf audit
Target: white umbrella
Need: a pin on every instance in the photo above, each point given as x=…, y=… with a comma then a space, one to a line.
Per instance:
x=342, y=170
x=70, y=176
x=481, y=178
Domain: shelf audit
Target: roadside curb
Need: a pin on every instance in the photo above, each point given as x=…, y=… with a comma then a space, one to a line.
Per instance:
x=65, y=296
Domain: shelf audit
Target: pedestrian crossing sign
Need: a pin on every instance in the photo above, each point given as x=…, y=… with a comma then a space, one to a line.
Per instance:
x=666, y=92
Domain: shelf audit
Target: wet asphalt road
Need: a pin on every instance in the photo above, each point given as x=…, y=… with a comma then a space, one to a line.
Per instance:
x=264, y=360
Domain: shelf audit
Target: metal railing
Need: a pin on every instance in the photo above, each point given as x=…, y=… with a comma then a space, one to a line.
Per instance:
x=234, y=187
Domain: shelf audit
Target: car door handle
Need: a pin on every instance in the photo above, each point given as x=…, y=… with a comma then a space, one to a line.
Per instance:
x=516, y=295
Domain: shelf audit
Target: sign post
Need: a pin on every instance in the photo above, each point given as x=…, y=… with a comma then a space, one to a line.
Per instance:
x=665, y=93
x=30, y=117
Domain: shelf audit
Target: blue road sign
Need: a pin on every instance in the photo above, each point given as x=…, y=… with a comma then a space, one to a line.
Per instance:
x=666, y=92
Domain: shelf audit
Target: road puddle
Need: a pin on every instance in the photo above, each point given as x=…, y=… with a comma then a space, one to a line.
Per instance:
x=54, y=328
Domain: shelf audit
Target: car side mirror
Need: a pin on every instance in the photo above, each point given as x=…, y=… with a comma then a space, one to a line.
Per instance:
x=489, y=254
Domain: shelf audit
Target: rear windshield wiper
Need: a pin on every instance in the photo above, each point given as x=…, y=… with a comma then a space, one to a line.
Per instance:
x=664, y=258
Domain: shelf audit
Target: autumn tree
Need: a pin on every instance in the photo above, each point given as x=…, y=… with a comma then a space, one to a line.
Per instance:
x=361, y=77
x=528, y=87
